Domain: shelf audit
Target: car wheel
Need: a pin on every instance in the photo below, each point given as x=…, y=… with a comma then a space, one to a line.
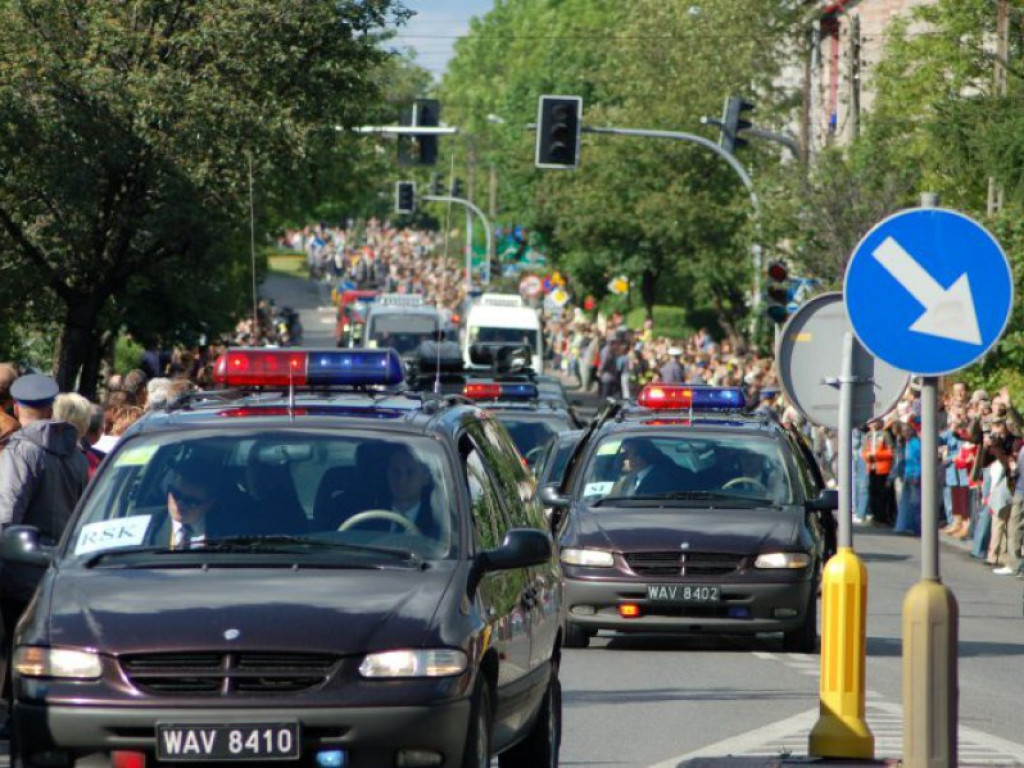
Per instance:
x=477, y=753
x=804, y=639
x=575, y=636
x=540, y=748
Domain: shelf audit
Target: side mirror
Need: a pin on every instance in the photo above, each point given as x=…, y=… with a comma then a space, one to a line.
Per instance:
x=551, y=497
x=827, y=501
x=521, y=548
x=20, y=544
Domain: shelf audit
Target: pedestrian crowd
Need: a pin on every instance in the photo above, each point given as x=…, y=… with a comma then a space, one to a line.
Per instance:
x=981, y=460
x=377, y=256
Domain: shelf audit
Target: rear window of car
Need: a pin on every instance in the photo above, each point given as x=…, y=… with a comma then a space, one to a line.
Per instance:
x=662, y=464
x=528, y=435
x=278, y=483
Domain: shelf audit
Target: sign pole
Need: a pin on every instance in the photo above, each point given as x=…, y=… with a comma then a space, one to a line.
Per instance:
x=842, y=730
x=930, y=617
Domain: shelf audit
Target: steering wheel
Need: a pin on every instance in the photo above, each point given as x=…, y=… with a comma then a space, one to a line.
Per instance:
x=751, y=482
x=380, y=514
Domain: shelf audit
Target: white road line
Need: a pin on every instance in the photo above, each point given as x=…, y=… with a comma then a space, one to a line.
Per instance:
x=749, y=741
x=884, y=719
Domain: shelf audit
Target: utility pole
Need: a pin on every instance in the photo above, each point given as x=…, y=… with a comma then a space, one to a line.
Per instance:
x=995, y=189
x=855, y=76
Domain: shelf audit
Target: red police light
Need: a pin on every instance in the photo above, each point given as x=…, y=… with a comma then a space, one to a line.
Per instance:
x=482, y=391
x=665, y=396
x=254, y=368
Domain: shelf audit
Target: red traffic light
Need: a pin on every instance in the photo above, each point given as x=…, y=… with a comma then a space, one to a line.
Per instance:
x=778, y=271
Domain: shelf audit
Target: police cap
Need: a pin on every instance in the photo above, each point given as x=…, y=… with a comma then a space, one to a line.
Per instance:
x=34, y=390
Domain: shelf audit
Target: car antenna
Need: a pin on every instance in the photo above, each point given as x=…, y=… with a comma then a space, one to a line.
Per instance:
x=444, y=277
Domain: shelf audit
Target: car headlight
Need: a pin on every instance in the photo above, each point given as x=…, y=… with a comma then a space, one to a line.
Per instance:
x=591, y=558
x=65, y=663
x=434, y=662
x=783, y=560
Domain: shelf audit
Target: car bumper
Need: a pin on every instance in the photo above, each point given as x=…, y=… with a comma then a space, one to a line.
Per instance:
x=371, y=736
x=744, y=608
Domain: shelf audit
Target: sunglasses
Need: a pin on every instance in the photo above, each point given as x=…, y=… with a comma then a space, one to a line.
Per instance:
x=186, y=499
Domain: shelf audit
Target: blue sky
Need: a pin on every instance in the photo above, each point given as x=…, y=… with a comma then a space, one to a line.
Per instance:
x=432, y=31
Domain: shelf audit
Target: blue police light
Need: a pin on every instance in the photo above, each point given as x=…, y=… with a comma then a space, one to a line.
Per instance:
x=519, y=392
x=718, y=399
x=354, y=367
x=668, y=397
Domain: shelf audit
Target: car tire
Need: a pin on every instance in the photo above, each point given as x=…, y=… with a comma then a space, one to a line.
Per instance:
x=575, y=636
x=477, y=753
x=804, y=639
x=540, y=748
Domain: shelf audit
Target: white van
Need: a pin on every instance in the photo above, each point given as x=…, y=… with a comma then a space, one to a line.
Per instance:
x=503, y=318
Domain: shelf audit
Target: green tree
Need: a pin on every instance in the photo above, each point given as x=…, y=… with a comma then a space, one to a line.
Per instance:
x=673, y=216
x=126, y=132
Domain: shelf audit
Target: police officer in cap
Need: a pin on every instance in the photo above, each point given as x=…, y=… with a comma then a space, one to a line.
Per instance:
x=42, y=475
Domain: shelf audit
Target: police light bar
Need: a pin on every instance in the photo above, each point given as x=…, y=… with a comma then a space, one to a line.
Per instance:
x=675, y=397
x=495, y=391
x=402, y=300
x=283, y=368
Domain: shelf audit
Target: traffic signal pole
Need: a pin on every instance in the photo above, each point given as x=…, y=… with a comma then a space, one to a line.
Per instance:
x=487, y=230
x=735, y=164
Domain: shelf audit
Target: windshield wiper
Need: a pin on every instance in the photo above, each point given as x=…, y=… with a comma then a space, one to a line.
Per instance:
x=98, y=556
x=268, y=544
x=687, y=496
x=282, y=543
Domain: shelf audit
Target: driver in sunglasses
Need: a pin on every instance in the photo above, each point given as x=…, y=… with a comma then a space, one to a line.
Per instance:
x=191, y=496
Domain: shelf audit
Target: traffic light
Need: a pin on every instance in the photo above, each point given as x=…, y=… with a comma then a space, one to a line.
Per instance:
x=405, y=196
x=777, y=291
x=426, y=113
x=733, y=123
x=435, y=184
x=559, y=122
x=457, y=188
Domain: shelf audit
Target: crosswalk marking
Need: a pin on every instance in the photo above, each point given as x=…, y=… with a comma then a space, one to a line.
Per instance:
x=789, y=737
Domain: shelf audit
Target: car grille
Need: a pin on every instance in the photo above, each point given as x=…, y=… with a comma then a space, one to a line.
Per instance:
x=227, y=674
x=673, y=563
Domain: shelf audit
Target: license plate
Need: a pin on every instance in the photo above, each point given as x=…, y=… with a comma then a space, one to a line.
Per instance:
x=683, y=593
x=240, y=741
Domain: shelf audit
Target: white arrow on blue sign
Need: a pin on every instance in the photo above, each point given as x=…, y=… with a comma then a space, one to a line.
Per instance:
x=929, y=291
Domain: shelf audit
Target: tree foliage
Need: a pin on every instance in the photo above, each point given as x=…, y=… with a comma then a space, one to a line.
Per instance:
x=127, y=135
x=672, y=216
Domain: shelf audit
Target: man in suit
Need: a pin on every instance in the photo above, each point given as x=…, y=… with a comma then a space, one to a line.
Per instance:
x=409, y=488
x=649, y=472
x=194, y=511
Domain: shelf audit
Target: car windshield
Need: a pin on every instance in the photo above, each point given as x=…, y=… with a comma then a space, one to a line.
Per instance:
x=695, y=466
x=290, y=487
x=402, y=332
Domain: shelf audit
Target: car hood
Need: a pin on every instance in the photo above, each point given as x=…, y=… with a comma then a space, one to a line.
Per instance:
x=739, y=531
x=329, y=611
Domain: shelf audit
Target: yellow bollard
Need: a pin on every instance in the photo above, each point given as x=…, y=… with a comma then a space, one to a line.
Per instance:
x=930, y=618
x=841, y=730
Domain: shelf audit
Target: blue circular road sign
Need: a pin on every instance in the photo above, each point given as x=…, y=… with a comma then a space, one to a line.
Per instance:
x=929, y=291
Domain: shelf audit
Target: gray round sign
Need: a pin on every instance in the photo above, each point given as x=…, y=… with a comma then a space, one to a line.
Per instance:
x=809, y=360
